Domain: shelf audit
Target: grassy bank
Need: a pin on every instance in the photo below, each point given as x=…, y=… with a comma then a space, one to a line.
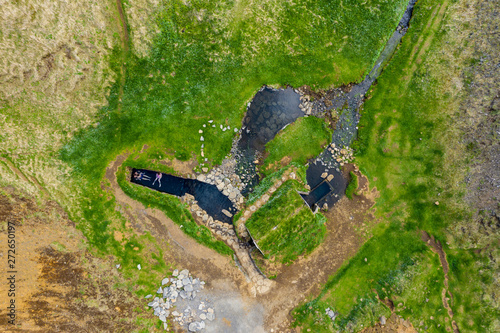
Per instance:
x=298, y=142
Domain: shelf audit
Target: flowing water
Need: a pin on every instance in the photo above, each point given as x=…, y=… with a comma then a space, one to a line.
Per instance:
x=268, y=113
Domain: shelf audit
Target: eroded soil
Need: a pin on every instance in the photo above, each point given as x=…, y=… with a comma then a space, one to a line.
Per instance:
x=60, y=286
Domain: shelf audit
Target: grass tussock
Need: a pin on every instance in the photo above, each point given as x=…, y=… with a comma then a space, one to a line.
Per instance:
x=353, y=185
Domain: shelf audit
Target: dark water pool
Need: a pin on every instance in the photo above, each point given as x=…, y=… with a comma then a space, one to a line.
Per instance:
x=208, y=196
x=268, y=113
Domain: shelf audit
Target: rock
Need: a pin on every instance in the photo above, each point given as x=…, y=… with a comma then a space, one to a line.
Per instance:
x=210, y=310
x=329, y=178
x=437, y=203
x=324, y=175
x=186, y=281
x=193, y=327
x=162, y=318
x=343, y=151
x=201, y=178
x=210, y=316
x=228, y=214
x=232, y=195
x=175, y=273
x=160, y=290
x=165, y=281
x=204, y=169
x=188, y=287
x=203, y=316
x=148, y=296
x=183, y=294
x=184, y=272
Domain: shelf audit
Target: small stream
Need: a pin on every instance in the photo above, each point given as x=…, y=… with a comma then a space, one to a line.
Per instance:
x=346, y=103
x=268, y=113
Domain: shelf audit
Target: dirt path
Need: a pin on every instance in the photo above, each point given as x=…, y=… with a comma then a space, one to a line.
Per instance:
x=294, y=282
x=307, y=275
x=437, y=248
x=26, y=178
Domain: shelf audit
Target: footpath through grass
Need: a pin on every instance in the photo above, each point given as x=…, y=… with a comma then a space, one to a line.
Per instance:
x=174, y=209
x=408, y=148
x=207, y=61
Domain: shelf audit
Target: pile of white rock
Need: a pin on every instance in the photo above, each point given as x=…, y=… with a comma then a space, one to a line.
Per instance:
x=181, y=286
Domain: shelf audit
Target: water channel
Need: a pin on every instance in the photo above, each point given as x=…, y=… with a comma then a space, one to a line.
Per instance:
x=268, y=113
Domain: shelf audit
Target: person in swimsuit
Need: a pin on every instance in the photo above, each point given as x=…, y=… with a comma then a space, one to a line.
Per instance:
x=158, y=178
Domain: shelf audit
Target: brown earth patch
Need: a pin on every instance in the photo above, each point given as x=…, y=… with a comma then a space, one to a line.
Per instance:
x=56, y=285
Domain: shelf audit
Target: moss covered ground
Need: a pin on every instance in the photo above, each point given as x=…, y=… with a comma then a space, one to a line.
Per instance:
x=284, y=227
x=298, y=142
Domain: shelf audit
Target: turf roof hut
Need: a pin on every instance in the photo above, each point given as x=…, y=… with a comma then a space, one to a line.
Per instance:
x=284, y=227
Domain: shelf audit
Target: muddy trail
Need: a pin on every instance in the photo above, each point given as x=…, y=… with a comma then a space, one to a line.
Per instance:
x=438, y=248
x=293, y=283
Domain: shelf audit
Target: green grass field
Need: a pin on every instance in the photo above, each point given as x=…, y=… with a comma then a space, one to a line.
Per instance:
x=408, y=147
x=206, y=63
x=298, y=142
x=285, y=228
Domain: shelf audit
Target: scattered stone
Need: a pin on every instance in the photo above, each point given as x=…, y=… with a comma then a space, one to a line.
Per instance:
x=202, y=138
x=118, y=266
x=382, y=320
x=175, y=272
x=437, y=203
x=139, y=267
x=159, y=291
x=165, y=281
x=149, y=296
